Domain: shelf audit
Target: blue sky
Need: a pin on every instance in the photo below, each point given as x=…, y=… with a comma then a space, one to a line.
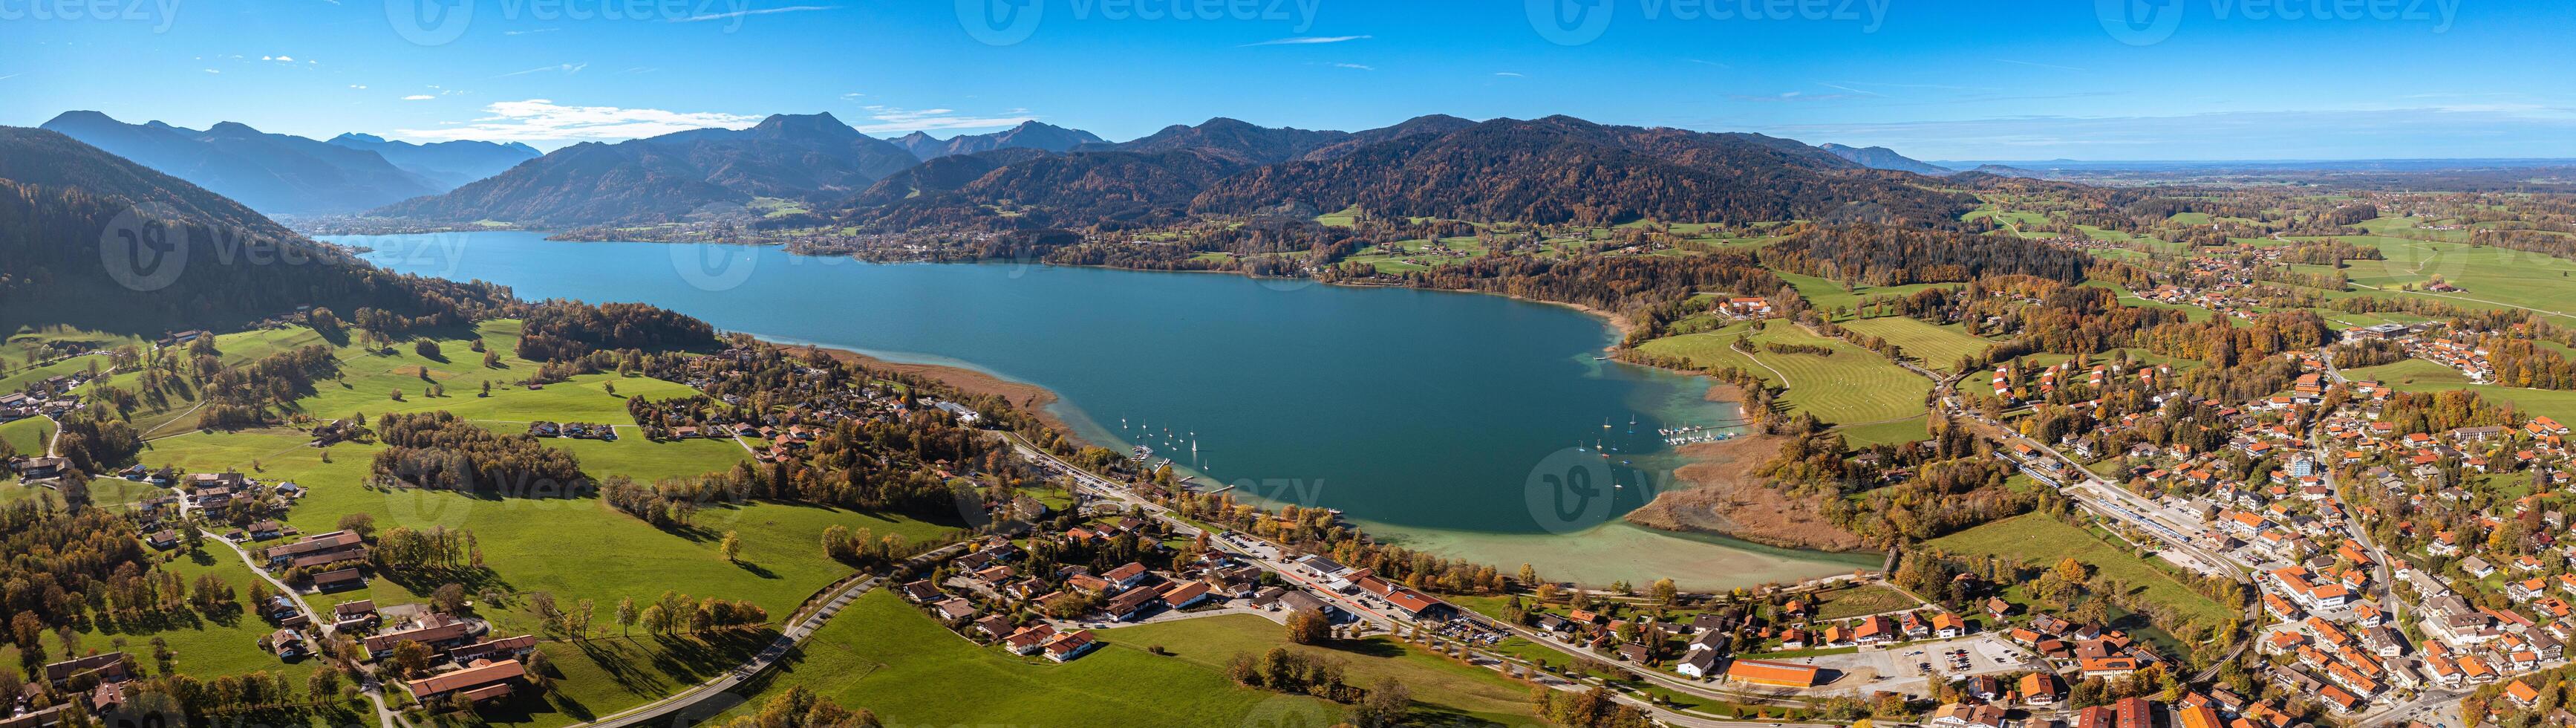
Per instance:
x=2156, y=79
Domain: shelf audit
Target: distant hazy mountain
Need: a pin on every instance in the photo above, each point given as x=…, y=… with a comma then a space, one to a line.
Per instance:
x=813, y=158
x=1028, y=135
x=448, y=164
x=64, y=204
x=1884, y=158
x=274, y=173
x=2008, y=171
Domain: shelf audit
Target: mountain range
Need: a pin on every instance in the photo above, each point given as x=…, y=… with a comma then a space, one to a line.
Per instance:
x=447, y=164
x=802, y=158
x=286, y=174
x=1028, y=135
x=1556, y=169
x=800, y=170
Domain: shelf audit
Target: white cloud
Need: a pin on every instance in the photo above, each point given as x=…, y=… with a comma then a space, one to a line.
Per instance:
x=1352, y=66
x=530, y=32
x=542, y=120
x=210, y=70
x=280, y=59
x=1308, y=40
x=358, y=86
x=893, y=119
x=418, y=97
x=567, y=69
x=760, y=11
x=1508, y=74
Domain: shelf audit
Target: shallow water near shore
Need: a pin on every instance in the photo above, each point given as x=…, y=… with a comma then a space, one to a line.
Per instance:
x=1471, y=426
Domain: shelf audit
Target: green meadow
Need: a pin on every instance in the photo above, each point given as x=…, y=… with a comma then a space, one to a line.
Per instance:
x=1852, y=386
x=1938, y=347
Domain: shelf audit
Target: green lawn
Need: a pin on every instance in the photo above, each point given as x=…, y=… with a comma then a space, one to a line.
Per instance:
x=1440, y=685
x=2417, y=375
x=2493, y=276
x=606, y=674
x=882, y=655
x=1896, y=432
x=27, y=436
x=1861, y=601
x=1853, y=386
x=1939, y=348
x=532, y=540
x=2040, y=540
x=1829, y=295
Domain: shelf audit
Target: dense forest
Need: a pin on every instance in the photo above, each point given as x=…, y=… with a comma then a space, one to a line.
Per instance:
x=1880, y=255
x=439, y=451
x=1559, y=169
x=564, y=330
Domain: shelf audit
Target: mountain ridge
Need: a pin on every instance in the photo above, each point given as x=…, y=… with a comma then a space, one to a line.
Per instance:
x=276, y=173
x=810, y=157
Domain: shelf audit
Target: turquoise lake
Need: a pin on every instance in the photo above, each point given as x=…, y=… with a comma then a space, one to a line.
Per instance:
x=1471, y=425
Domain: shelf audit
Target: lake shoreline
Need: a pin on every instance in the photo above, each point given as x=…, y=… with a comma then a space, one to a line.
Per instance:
x=1057, y=357
x=1034, y=399
x=1721, y=494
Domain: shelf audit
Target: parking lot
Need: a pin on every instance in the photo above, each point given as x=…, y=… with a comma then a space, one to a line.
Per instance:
x=1902, y=669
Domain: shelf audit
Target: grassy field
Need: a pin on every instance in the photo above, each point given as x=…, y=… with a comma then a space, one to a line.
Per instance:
x=1853, y=386
x=2493, y=277
x=2417, y=375
x=1830, y=295
x=606, y=674
x=2040, y=540
x=569, y=545
x=574, y=548
x=1861, y=601
x=1417, y=255
x=27, y=436
x=1444, y=691
x=1896, y=432
x=881, y=655
x=1939, y=348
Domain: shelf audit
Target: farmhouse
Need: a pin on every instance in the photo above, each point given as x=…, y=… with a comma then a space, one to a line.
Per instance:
x=488, y=681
